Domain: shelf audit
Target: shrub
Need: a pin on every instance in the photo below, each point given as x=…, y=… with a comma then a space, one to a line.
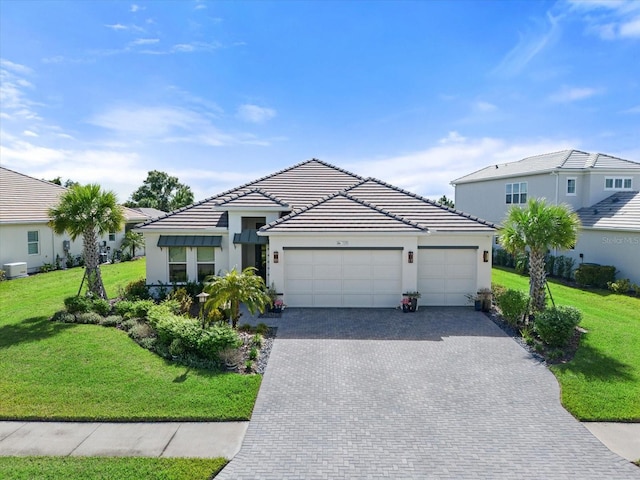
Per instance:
x=549, y=264
x=141, y=330
x=78, y=304
x=559, y=266
x=141, y=308
x=262, y=328
x=176, y=348
x=128, y=324
x=245, y=327
x=47, y=267
x=569, y=263
x=63, y=316
x=594, y=275
x=89, y=317
x=111, y=321
x=101, y=306
x=253, y=353
x=193, y=288
x=137, y=290
x=123, y=307
x=635, y=288
x=513, y=304
x=256, y=340
x=522, y=263
x=182, y=297
x=555, y=326
x=3, y=275
x=148, y=342
x=620, y=286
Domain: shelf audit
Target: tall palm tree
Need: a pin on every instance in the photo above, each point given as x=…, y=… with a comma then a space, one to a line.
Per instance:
x=88, y=211
x=235, y=288
x=536, y=229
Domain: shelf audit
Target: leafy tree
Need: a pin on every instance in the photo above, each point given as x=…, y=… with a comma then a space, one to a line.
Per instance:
x=88, y=211
x=535, y=229
x=234, y=288
x=133, y=240
x=68, y=182
x=161, y=191
x=447, y=202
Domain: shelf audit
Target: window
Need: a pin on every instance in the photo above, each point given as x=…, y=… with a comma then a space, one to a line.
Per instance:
x=177, y=264
x=617, y=183
x=112, y=236
x=206, y=262
x=571, y=186
x=516, y=192
x=33, y=242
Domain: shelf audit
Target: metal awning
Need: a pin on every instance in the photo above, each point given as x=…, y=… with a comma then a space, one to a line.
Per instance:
x=250, y=237
x=190, y=241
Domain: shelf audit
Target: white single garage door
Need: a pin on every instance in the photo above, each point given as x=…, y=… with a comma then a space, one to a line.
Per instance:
x=342, y=277
x=447, y=275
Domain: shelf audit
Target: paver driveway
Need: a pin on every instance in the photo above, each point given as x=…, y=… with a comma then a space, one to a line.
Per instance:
x=441, y=393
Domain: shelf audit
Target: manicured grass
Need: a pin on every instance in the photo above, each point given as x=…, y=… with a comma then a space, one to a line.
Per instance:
x=602, y=381
x=54, y=371
x=108, y=468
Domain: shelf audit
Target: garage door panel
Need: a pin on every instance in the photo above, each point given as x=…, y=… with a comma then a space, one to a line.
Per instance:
x=343, y=278
x=446, y=276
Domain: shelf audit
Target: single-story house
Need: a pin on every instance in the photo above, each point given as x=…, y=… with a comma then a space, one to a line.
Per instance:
x=326, y=237
x=27, y=243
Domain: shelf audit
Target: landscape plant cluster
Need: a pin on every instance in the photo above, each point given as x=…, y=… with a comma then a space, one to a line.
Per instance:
x=170, y=328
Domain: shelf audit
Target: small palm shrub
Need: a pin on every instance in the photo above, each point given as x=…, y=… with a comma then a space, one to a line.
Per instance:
x=513, y=304
x=555, y=326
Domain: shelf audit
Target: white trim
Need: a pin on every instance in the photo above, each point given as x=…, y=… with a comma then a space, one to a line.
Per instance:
x=613, y=183
x=575, y=187
x=37, y=242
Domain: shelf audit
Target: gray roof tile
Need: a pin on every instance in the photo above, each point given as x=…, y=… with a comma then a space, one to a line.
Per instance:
x=24, y=199
x=620, y=211
x=344, y=213
x=255, y=197
x=563, y=160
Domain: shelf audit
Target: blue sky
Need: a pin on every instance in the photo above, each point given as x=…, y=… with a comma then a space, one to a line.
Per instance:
x=219, y=93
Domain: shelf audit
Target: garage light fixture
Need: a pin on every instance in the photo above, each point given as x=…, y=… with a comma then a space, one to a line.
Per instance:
x=410, y=256
x=276, y=257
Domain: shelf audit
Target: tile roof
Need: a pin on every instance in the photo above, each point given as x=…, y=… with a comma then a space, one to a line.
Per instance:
x=298, y=186
x=620, y=211
x=255, y=197
x=413, y=207
x=344, y=213
x=24, y=199
x=313, y=184
x=563, y=160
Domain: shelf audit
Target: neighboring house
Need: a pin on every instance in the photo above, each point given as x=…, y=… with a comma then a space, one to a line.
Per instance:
x=602, y=189
x=25, y=236
x=326, y=237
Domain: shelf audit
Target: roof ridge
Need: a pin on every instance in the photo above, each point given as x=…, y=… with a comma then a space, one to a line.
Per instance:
x=259, y=190
x=383, y=211
x=429, y=201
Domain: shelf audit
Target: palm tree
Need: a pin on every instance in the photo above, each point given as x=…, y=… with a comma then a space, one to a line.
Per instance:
x=234, y=288
x=132, y=240
x=536, y=229
x=88, y=211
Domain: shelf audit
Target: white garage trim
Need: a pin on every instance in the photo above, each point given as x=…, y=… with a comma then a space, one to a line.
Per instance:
x=447, y=274
x=343, y=276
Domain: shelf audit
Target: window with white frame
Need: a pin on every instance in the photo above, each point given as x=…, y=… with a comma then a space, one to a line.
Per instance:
x=177, y=264
x=571, y=186
x=618, y=183
x=205, y=259
x=516, y=193
x=112, y=236
x=33, y=242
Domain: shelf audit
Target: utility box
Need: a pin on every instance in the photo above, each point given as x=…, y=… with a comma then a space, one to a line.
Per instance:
x=15, y=269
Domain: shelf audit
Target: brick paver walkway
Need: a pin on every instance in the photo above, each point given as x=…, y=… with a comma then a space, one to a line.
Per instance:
x=442, y=393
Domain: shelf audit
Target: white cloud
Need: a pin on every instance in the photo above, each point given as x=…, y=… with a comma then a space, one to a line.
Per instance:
x=117, y=26
x=430, y=171
x=15, y=67
x=145, y=41
x=572, y=94
x=29, y=133
x=481, y=106
x=254, y=113
x=135, y=8
x=529, y=45
x=608, y=19
x=635, y=109
x=631, y=28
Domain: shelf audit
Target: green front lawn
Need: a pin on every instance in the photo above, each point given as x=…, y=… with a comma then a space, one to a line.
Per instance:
x=602, y=381
x=108, y=468
x=56, y=371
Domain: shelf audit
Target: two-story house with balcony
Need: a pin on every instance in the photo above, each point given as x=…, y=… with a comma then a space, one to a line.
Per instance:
x=602, y=189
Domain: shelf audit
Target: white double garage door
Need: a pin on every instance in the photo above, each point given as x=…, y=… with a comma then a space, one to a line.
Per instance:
x=358, y=277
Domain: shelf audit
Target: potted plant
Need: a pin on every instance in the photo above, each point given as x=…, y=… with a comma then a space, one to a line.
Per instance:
x=485, y=296
x=276, y=303
x=410, y=301
x=476, y=300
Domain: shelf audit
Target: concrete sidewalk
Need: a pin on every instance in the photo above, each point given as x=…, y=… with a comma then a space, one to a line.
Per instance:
x=179, y=439
x=620, y=438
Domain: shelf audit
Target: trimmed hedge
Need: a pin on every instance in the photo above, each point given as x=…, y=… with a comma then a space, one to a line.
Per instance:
x=513, y=304
x=594, y=275
x=555, y=325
